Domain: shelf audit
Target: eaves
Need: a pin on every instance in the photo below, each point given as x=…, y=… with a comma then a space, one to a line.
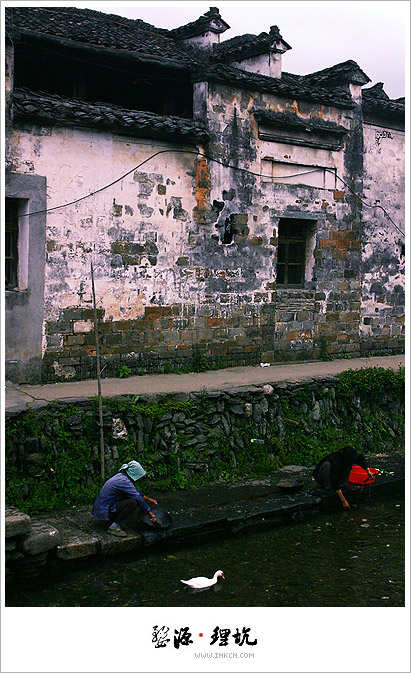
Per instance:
x=164, y=61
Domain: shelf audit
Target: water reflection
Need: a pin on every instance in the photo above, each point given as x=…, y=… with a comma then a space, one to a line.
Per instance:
x=334, y=559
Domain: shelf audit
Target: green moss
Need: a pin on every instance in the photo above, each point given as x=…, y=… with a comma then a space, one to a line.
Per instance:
x=372, y=383
x=71, y=474
x=152, y=410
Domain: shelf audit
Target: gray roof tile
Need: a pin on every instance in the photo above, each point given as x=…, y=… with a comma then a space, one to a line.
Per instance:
x=56, y=110
x=95, y=30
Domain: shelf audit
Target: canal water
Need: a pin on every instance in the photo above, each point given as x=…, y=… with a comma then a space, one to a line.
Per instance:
x=347, y=558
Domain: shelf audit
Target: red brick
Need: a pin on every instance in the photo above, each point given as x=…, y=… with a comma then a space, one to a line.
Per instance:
x=214, y=322
x=326, y=243
x=339, y=254
x=153, y=312
x=122, y=326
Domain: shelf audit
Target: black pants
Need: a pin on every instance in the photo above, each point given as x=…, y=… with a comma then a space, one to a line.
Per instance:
x=324, y=475
x=124, y=510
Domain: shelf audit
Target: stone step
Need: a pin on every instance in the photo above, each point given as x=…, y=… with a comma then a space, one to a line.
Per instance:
x=81, y=537
x=73, y=542
x=81, y=519
x=41, y=538
x=15, y=522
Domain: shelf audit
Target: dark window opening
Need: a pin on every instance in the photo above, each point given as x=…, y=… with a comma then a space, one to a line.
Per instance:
x=227, y=229
x=121, y=81
x=291, y=253
x=11, y=244
x=402, y=253
x=227, y=233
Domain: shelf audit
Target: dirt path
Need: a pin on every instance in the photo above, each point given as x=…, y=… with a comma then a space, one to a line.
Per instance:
x=19, y=397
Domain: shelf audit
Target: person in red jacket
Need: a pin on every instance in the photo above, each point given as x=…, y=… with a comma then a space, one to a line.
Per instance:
x=119, y=498
x=333, y=471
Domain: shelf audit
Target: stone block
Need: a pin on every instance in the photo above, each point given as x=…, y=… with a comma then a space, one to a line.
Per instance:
x=113, y=339
x=41, y=538
x=240, y=218
x=31, y=444
x=182, y=261
x=110, y=545
x=76, y=340
x=15, y=522
x=75, y=544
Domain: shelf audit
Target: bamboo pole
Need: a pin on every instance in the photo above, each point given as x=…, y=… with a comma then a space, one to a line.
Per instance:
x=100, y=406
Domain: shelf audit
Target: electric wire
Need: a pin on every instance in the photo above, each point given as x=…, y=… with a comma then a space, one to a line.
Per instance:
x=127, y=24
x=225, y=165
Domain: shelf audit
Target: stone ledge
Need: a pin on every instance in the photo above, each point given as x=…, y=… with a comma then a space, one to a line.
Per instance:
x=82, y=521
x=41, y=538
x=81, y=537
x=76, y=546
x=15, y=522
x=73, y=542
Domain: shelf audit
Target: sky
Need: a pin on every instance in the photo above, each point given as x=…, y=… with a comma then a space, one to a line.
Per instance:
x=375, y=34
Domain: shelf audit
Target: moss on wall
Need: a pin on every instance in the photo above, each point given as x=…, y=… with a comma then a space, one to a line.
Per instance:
x=53, y=456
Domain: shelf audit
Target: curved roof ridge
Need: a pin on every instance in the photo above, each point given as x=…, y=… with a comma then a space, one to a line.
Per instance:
x=59, y=110
x=345, y=71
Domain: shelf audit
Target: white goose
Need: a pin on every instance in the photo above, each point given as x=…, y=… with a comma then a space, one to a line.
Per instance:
x=203, y=582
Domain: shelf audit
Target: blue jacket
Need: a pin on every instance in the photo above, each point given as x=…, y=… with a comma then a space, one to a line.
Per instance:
x=115, y=489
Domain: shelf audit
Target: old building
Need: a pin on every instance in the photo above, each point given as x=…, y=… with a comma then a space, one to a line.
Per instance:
x=230, y=209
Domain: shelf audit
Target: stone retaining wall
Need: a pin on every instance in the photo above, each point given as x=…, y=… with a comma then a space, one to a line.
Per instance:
x=189, y=434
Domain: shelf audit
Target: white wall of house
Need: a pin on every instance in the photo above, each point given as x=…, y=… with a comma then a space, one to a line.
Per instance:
x=151, y=207
x=383, y=253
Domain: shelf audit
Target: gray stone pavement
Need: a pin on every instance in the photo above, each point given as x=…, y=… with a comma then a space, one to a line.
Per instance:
x=19, y=397
x=220, y=509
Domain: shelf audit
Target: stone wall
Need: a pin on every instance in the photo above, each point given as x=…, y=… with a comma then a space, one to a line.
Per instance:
x=182, y=436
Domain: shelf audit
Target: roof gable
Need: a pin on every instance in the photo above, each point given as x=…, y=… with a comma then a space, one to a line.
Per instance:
x=248, y=45
x=348, y=72
x=210, y=21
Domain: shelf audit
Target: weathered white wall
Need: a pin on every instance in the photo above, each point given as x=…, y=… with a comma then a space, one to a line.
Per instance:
x=166, y=280
x=328, y=307
x=152, y=207
x=383, y=262
x=265, y=64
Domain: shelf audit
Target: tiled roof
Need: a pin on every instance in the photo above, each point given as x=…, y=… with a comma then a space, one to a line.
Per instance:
x=107, y=32
x=284, y=119
x=244, y=46
x=95, y=29
x=288, y=86
x=376, y=91
x=341, y=73
x=386, y=107
x=50, y=109
x=376, y=100
x=210, y=19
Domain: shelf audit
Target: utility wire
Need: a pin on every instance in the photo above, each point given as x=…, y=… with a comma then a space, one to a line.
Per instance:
x=368, y=205
x=217, y=161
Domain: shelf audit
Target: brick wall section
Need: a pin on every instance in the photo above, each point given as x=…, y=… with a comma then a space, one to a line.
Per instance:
x=282, y=328
x=164, y=335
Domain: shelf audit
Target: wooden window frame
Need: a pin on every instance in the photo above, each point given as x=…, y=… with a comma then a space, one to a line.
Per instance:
x=11, y=246
x=286, y=238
